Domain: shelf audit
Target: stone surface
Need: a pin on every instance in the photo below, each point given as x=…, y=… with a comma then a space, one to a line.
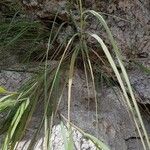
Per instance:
x=141, y=83
x=12, y=80
x=46, y=9
x=130, y=23
x=115, y=127
x=58, y=141
x=128, y=20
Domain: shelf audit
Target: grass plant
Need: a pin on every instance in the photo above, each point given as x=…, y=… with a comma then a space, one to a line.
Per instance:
x=47, y=86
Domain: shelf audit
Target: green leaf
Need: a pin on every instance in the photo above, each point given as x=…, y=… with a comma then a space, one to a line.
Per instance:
x=2, y=90
x=125, y=77
x=67, y=137
x=63, y=131
x=14, y=123
x=6, y=104
x=99, y=144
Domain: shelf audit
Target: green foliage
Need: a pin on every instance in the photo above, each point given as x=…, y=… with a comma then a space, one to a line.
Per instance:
x=2, y=90
x=9, y=7
x=47, y=84
x=18, y=34
x=21, y=36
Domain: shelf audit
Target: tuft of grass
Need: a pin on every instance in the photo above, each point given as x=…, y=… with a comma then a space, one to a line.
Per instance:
x=22, y=36
x=8, y=7
x=47, y=85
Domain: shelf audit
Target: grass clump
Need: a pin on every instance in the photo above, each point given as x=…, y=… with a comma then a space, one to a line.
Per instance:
x=20, y=35
x=48, y=86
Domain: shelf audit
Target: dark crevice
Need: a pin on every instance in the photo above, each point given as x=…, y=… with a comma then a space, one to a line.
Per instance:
x=132, y=138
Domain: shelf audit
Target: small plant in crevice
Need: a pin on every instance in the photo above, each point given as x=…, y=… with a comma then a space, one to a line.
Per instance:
x=48, y=85
x=21, y=37
x=8, y=8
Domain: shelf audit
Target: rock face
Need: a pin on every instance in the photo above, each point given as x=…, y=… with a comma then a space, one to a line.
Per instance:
x=46, y=9
x=132, y=32
x=129, y=20
x=141, y=84
x=12, y=80
x=113, y=118
x=115, y=127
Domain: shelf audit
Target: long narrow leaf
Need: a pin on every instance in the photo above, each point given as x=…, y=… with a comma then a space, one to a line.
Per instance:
x=112, y=63
x=118, y=55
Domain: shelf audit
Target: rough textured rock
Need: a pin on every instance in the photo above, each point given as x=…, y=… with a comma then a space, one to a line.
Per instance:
x=115, y=127
x=132, y=33
x=141, y=83
x=129, y=20
x=12, y=80
x=58, y=143
x=114, y=124
x=6, y=59
x=46, y=9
